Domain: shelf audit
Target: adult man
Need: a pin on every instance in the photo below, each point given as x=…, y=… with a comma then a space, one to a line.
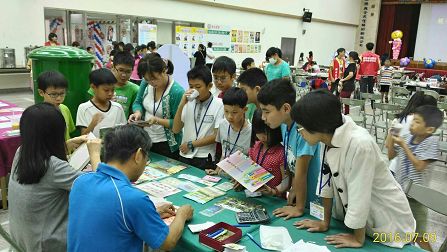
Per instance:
x=369, y=68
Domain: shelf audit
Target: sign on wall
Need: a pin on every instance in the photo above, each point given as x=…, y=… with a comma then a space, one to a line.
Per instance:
x=189, y=38
x=245, y=41
x=147, y=33
x=219, y=35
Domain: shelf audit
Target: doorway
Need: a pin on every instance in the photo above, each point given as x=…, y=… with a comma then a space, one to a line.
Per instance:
x=288, y=50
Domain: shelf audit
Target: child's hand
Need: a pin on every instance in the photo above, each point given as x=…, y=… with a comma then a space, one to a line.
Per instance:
x=266, y=190
x=184, y=148
x=236, y=186
x=312, y=225
x=97, y=118
x=398, y=140
x=288, y=212
x=74, y=142
x=213, y=172
x=186, y=95
x=135, y=117
x=94, y=146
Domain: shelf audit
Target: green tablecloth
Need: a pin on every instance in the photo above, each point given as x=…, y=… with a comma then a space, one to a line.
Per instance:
x=190, y=241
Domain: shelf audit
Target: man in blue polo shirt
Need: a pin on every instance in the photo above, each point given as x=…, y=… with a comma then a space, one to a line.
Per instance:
x=106, y=213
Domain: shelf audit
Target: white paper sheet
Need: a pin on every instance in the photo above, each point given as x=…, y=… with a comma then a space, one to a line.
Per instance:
x=195, y=228
x=275, y=238
x=80, y=157
x=306, y=246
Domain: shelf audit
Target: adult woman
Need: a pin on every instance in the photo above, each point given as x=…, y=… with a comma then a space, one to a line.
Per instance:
x=200, y=55
x=277, y=68
x=346, y=84
x=41, y=179
x=157, y=104
x=367, y=198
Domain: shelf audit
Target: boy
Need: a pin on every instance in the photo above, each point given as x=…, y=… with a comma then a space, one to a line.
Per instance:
x=234, y=131
x=200, y=119
x=386, y=79
x=248, y=63
x=53, y=88
x=119, y=216
x=303, y=160
x=224, y=73
x=100, y=111
x=415, y=152
x=251, y=82
x=125, y=91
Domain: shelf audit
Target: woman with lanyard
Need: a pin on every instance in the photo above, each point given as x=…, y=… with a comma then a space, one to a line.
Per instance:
x=355, y=177
x=157, y=103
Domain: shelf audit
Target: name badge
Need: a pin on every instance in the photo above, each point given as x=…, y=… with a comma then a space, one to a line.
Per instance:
x=317, y=211
x=208, y=119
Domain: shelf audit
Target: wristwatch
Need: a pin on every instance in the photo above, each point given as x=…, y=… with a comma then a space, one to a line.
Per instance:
x=190, y=146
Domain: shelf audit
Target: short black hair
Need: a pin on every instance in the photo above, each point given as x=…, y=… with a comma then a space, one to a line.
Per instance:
x=123, y=58
x=143, y=46
x=224, y=64
x=277, y=93
x=89, y=47
x=318, y=112
x=355, y=56
x=235, y=96
x=129, y=47
x=121, y=142
x=153, y=63
x=369, y=46
x=253, y=77
x=52, y=35
x=340, y=50
x=246, y=62
x=272, y=51
x=432, y=116
x=102, y=76
x=51, y=79
x=210, y=44
x=274, y=136
x=75, y=44
x=151, y=45
x=202, y=73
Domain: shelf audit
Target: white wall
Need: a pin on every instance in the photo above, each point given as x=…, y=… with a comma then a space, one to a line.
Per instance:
x=432, y=32
x=164, y=33
x=322, y=38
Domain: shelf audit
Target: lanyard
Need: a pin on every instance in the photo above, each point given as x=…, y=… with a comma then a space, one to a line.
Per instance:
x=156, y=109
x=323, y=171
x=228, y=139
x=286, y=144
x=263, y=155
x=203, y=118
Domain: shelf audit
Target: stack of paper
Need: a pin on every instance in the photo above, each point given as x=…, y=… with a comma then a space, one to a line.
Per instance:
x=195, y=228
x=196, y=179
x=150, y=174
x=204, y=194
x=158, y=189
x=167, y=166
x=238, y=205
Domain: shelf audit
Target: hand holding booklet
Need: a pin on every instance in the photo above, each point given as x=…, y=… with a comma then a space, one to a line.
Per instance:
x=249, y=174
x=80, y=157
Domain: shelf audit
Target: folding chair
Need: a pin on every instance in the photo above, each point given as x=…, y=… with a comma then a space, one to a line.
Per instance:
x=397, y=91
x=389, y=110
x=431, y=93
x=371, y=97
x=360, y=118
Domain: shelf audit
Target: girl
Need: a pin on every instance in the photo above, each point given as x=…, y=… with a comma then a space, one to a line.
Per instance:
x=268, y=153
x=134, y=77
x=346, y=85
x=277, y=67
x=200, y=55
x=41, y=179
x=157, y=104
x=353, y=175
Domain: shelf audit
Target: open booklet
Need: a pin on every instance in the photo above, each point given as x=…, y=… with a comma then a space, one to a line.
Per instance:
x=80, y=157
x=248, y=173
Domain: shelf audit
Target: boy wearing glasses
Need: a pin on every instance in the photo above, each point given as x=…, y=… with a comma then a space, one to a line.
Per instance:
x=125, y=91
x=224, y=74
x=52, y=86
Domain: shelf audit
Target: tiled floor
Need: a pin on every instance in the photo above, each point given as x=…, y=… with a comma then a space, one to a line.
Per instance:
x=436, y=222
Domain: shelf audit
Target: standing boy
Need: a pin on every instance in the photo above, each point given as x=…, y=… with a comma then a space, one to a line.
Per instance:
x=303, y=160
x=386, y=79
x=251, y=82
x=100, y=111
x=200, y=119
x=224, y=73
x=415, y=152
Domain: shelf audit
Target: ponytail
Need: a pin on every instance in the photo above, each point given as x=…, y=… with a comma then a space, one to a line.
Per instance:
x=153, y=63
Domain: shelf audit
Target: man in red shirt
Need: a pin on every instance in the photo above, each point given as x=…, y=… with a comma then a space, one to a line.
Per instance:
x=369, y=68
x=52, y=40
x=337, y=68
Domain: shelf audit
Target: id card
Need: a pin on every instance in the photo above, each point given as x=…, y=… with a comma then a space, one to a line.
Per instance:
x=317, y=211
x=208, y=119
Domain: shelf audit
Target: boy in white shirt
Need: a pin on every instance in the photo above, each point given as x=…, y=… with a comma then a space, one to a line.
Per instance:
x=200, y=119
x=100, y=111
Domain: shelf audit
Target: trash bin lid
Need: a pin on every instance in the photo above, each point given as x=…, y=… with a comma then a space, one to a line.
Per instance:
x=64, y=53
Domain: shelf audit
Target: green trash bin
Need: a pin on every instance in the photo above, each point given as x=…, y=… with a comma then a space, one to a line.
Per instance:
x=75, y=64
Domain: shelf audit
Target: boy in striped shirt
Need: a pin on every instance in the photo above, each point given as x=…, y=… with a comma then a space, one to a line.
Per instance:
x=415, y=152
x=386, y=79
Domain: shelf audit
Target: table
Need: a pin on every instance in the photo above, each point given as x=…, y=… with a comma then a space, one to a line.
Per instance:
x=190, y=241
x=8, y=146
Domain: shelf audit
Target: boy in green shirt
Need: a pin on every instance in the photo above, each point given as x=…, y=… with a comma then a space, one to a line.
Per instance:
x=125, y=91
x=52, y=86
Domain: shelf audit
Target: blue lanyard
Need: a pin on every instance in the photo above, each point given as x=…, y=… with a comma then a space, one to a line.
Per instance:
x=156, y=109
x=203, y=118
x=286, y=144
x=228, y=140
x=328, y=182
x=263, y=155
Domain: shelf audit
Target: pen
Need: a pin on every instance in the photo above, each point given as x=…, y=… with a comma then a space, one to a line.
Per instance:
x=220, y=234
x=216, y=232
x=253, y=239
x=241, y=225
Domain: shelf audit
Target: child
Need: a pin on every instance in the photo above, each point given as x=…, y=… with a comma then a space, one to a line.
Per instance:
x=224, y=73
x=386, y=79
x=415, y=152
x=125, y=91
x=355, y=185
x=248, y=63
x=251, y=82
x=234, y=131
x=268, y=153
x=302, y=159
x=277, y=67
x=134, y=77
x=100, y=111
x=53, y=88
x=200, y=119
x=157, y=104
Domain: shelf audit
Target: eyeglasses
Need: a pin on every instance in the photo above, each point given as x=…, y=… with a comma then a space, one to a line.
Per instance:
x=121, y=71
x=221, y=79
x=56, y=95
